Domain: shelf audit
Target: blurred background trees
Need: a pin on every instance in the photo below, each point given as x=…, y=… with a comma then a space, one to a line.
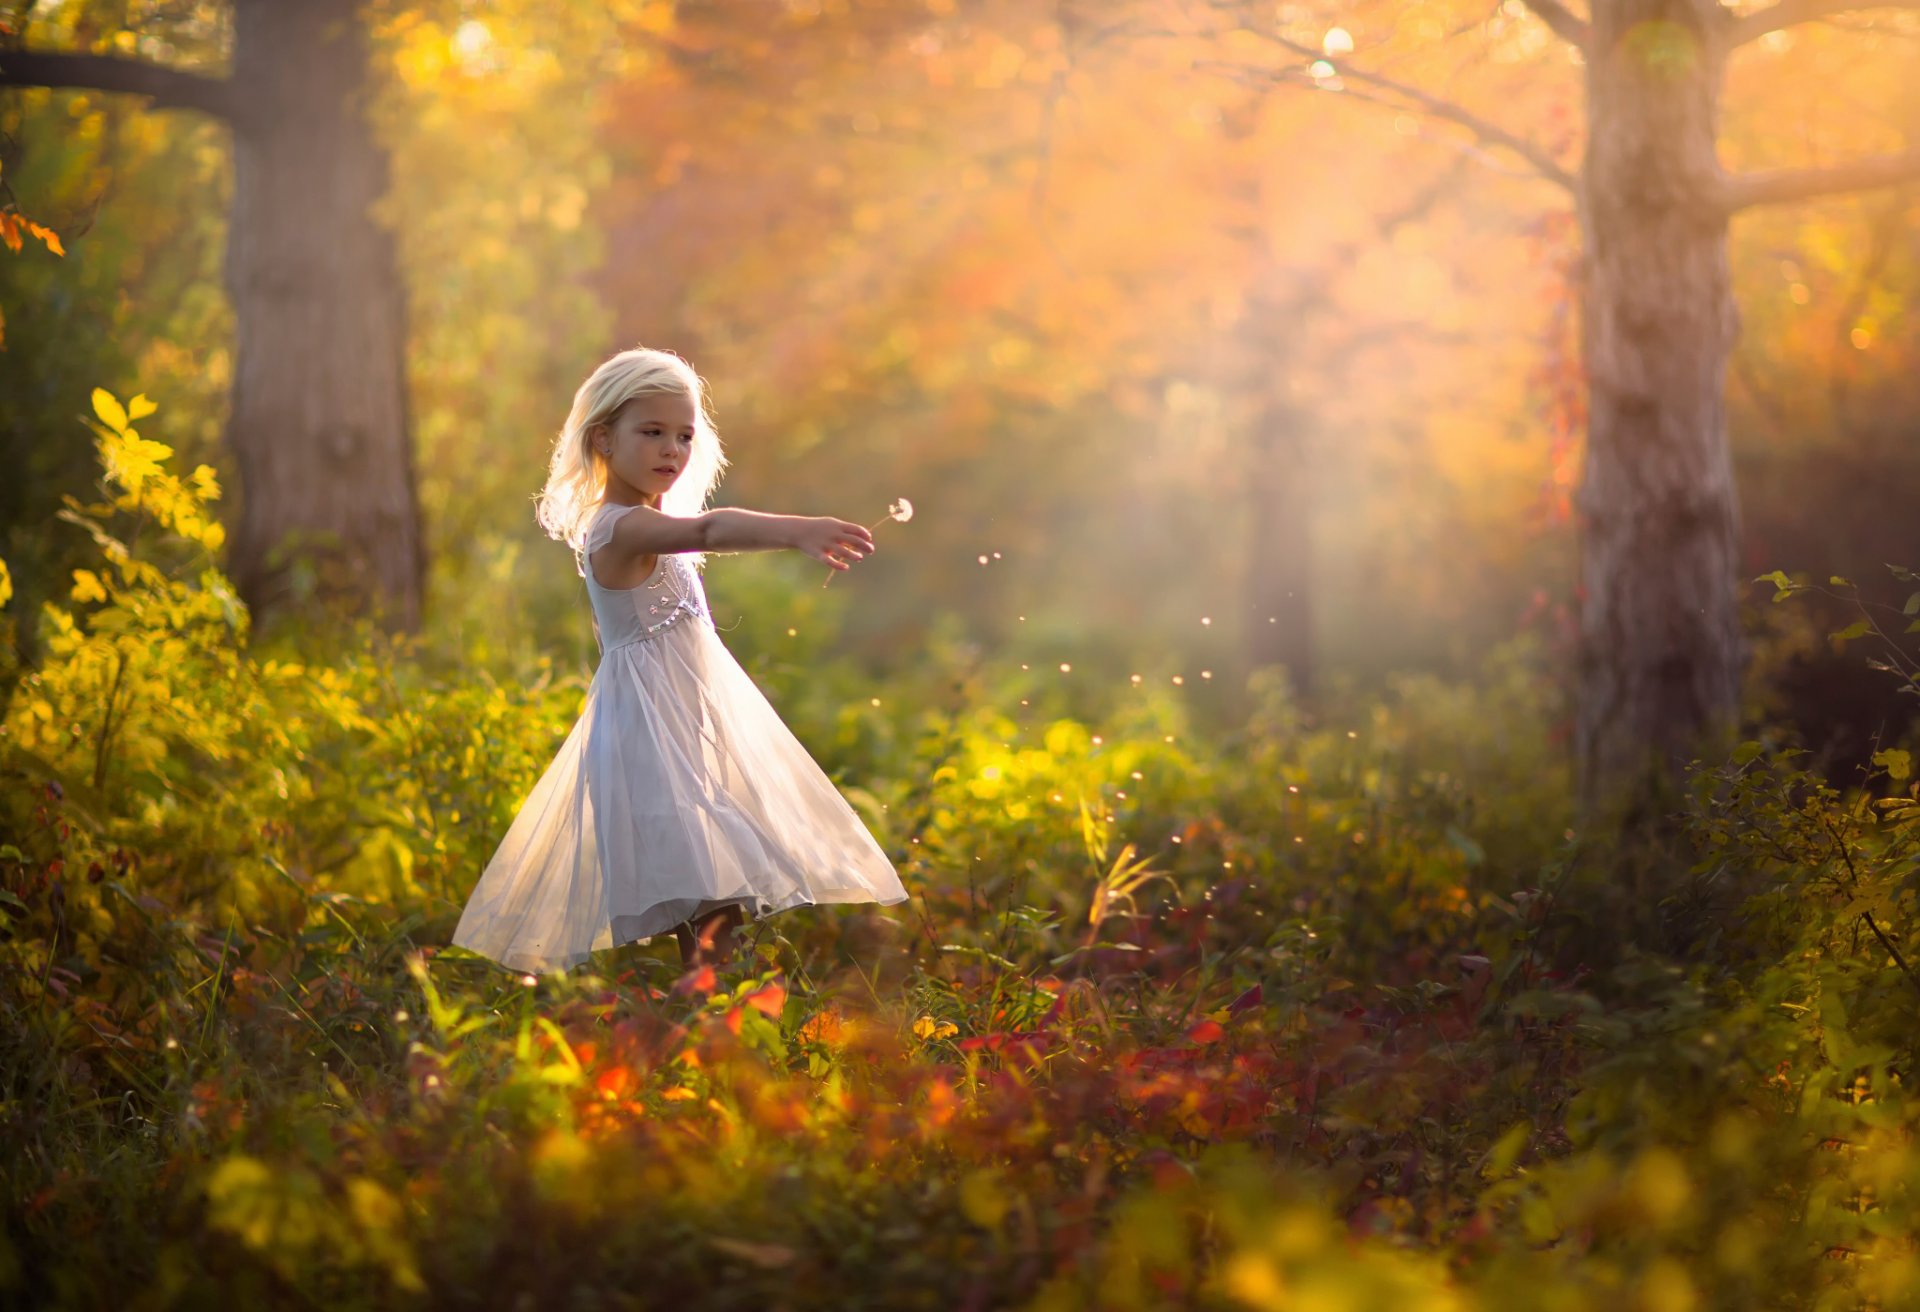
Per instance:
x=1188, y=371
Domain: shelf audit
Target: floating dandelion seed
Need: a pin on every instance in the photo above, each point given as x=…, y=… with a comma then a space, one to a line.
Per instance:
x=1178, y=679
x=1136, y=678
x=876, y=701
x=983, y=560
x=1206, y=674
x=1206, y=619
x=1065, y=668
x=996, y=555
x=529, y=980
x=1096, y=740
x=793, y=633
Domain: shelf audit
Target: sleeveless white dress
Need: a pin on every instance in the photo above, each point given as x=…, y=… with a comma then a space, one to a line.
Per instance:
x=678, y=790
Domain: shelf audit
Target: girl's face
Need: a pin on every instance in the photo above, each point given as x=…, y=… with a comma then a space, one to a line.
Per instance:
x=646, y=445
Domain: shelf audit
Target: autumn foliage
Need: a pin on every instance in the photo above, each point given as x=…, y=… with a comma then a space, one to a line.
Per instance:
x=1171, y=1018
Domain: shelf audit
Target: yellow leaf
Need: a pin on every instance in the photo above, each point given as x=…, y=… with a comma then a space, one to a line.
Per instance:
x=140, y=407
x=131, y=459
x=87, y=586
x=110, y=412
x=6, y=584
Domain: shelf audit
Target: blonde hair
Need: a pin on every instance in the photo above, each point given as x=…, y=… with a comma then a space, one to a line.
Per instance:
x=577, y=474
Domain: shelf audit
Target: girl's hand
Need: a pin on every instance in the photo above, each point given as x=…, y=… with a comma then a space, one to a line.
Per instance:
x=833, y=541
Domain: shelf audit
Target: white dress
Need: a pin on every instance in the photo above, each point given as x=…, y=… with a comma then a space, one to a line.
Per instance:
x=679, y=790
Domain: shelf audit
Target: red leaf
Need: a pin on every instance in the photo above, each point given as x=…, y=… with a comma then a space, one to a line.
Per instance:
x=1206, y=1031
x=1251, y=998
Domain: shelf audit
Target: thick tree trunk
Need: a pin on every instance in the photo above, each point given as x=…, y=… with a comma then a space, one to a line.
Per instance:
x=1661, y=653
x=319, y=423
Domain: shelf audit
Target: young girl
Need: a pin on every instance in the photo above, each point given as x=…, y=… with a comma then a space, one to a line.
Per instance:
x=679, y=798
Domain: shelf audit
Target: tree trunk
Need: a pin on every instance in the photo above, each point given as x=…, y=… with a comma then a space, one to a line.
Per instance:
x=319, y=423
x=1661, y=653
x=1279, y=619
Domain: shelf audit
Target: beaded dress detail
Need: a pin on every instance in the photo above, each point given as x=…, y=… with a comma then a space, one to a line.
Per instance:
x=678, y=790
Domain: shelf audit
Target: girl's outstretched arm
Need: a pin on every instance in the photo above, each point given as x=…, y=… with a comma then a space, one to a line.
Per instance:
x=644, y=531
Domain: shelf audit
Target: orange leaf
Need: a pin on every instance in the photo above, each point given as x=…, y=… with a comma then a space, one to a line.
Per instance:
x=701, y=979
x=768, y=1001
x=1207, y=1031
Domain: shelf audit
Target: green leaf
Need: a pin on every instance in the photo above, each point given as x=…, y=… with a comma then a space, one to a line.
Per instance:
x=110, y=411
x=1854, y=630
x=1747, y=751
x=1839, y=582
x=1898, y=764
x=1913, y=604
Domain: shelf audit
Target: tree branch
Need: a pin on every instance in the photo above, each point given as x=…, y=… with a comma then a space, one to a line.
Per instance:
x=167, y=88
x=1543, y=163
x=1788, y=13
x=1739, y=191
x=1566, y=24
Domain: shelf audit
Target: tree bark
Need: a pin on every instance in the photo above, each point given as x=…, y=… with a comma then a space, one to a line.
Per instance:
x=319, y=420
x=1661, y=652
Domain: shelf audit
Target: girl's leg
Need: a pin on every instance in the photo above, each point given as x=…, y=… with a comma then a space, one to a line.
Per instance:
x=709, y=941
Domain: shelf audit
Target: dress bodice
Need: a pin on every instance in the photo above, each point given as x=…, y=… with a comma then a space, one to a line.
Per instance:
x=668, y=596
